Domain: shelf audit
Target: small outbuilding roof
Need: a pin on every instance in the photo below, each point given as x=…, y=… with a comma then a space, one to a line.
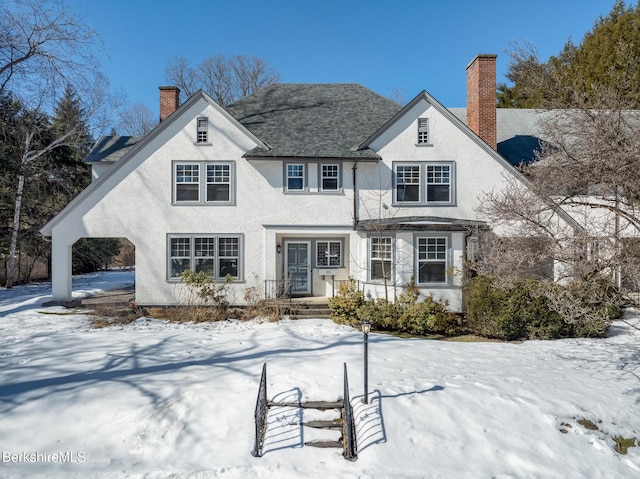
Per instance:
x=111, y=148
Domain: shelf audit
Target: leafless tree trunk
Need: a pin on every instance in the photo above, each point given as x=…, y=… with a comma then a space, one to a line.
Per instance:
x=43, y=49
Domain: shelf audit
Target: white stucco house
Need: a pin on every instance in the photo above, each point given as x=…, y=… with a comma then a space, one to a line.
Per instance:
x=294, y=188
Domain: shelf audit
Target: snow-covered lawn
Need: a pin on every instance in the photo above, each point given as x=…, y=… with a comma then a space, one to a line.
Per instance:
x=157, y=399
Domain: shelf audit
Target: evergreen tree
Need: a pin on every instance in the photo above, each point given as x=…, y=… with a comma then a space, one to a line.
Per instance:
x=609, y=55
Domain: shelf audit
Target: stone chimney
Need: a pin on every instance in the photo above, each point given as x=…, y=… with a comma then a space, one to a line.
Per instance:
x=169, y=100
x=481, y=98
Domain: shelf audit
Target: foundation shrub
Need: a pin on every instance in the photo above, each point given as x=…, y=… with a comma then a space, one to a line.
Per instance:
x=407, y=314
x=346, y=304
x=531, y=309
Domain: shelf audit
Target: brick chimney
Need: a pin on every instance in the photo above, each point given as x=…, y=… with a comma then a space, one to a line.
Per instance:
x=481, y=98
x=169, y=100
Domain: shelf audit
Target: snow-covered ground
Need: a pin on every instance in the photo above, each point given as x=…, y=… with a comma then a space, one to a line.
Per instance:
x=156, y=399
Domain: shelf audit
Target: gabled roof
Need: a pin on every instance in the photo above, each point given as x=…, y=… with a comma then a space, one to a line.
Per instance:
x=105, y=151
x=423, y=95
x=313, y=120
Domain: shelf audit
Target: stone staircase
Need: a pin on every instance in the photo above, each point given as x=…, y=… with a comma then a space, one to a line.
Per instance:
x=326, y=412
x=317, y=308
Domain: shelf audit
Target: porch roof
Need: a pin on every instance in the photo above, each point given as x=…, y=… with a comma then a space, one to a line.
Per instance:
x=420, y=223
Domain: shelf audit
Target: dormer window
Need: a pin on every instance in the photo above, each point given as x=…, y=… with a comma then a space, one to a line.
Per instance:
x=202, y=130
x=423, y=131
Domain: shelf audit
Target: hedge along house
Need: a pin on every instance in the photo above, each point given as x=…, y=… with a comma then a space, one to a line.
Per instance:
x=292, y=189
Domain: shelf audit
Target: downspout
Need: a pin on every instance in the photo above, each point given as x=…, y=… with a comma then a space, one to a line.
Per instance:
x=355, y=196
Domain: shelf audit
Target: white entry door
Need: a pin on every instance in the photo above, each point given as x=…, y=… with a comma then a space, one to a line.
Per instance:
x=298, y=263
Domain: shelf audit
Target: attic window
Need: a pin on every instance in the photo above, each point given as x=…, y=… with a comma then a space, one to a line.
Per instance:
x=423, y=131
x=203, y=127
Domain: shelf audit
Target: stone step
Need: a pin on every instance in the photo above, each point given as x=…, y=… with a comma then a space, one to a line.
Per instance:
x=336, y=424
x=325, y=444
x=321, y=405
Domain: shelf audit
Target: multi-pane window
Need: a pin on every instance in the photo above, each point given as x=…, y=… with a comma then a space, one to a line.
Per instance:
x=202, y=130
x=187, y=182
x=219, y=182
x=228, y=257
x=423, y=183
x=407, y=183
x=180, y=256
x=423, y=131
x=204, y=255
x=330, y=177
x=295, y=177
x=432, y=260
x=439, y=183
x=329, y=253
x=217, y=256
x=204, y=183
x=380, y=255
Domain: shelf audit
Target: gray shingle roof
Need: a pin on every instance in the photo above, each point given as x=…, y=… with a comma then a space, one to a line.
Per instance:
x=111, y=148
x=330, y=121
x=518, y=133
x=313, y=120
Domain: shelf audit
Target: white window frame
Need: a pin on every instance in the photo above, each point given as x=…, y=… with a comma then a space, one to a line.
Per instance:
x=400, y=171
x=436, y=178
x=203, y=182
x=423, y=131
x=326, y=175
x=299, y=167
x=220, y=179
x=381, y=258
x=326, y=261
x=189, y=254
x=202, y=130
x=183, y=178
x=428, y=173
x=434, y=247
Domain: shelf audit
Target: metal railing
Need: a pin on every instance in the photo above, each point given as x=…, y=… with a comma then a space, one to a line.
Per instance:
x=349, y=425
x=262, y=407
x=277, y=289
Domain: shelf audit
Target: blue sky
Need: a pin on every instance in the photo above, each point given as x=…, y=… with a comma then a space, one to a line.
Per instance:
x=407, y=45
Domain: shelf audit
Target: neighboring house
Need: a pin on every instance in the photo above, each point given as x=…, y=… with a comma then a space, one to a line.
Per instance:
x=294, y=188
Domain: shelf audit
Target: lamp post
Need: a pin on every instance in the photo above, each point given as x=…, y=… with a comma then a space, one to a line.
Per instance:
x=366, y=327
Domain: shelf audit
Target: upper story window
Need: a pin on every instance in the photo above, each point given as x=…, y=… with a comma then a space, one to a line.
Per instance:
x=424, y=183
x=202, y=135
x=330, y=177
x=295, y=177
x=432, y=258
x=439, y=183
x=380, y=257
x=423, y=131
x=219, y=182
x=328, y=253
x=216, y=255
x=203, y=183
x=187, y=178
x=408, y=184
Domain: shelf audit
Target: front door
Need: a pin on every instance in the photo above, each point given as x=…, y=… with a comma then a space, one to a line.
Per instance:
x=298, y=262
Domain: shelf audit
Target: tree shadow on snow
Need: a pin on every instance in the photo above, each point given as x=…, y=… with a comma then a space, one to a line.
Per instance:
x=370, y=429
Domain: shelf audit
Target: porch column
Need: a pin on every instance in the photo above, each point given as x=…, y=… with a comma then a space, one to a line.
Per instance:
x=61, y=271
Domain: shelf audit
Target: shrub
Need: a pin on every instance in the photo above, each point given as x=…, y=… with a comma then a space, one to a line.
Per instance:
x=208, y=300
x=345, y=306
x=530, y=309
x=407, y=314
